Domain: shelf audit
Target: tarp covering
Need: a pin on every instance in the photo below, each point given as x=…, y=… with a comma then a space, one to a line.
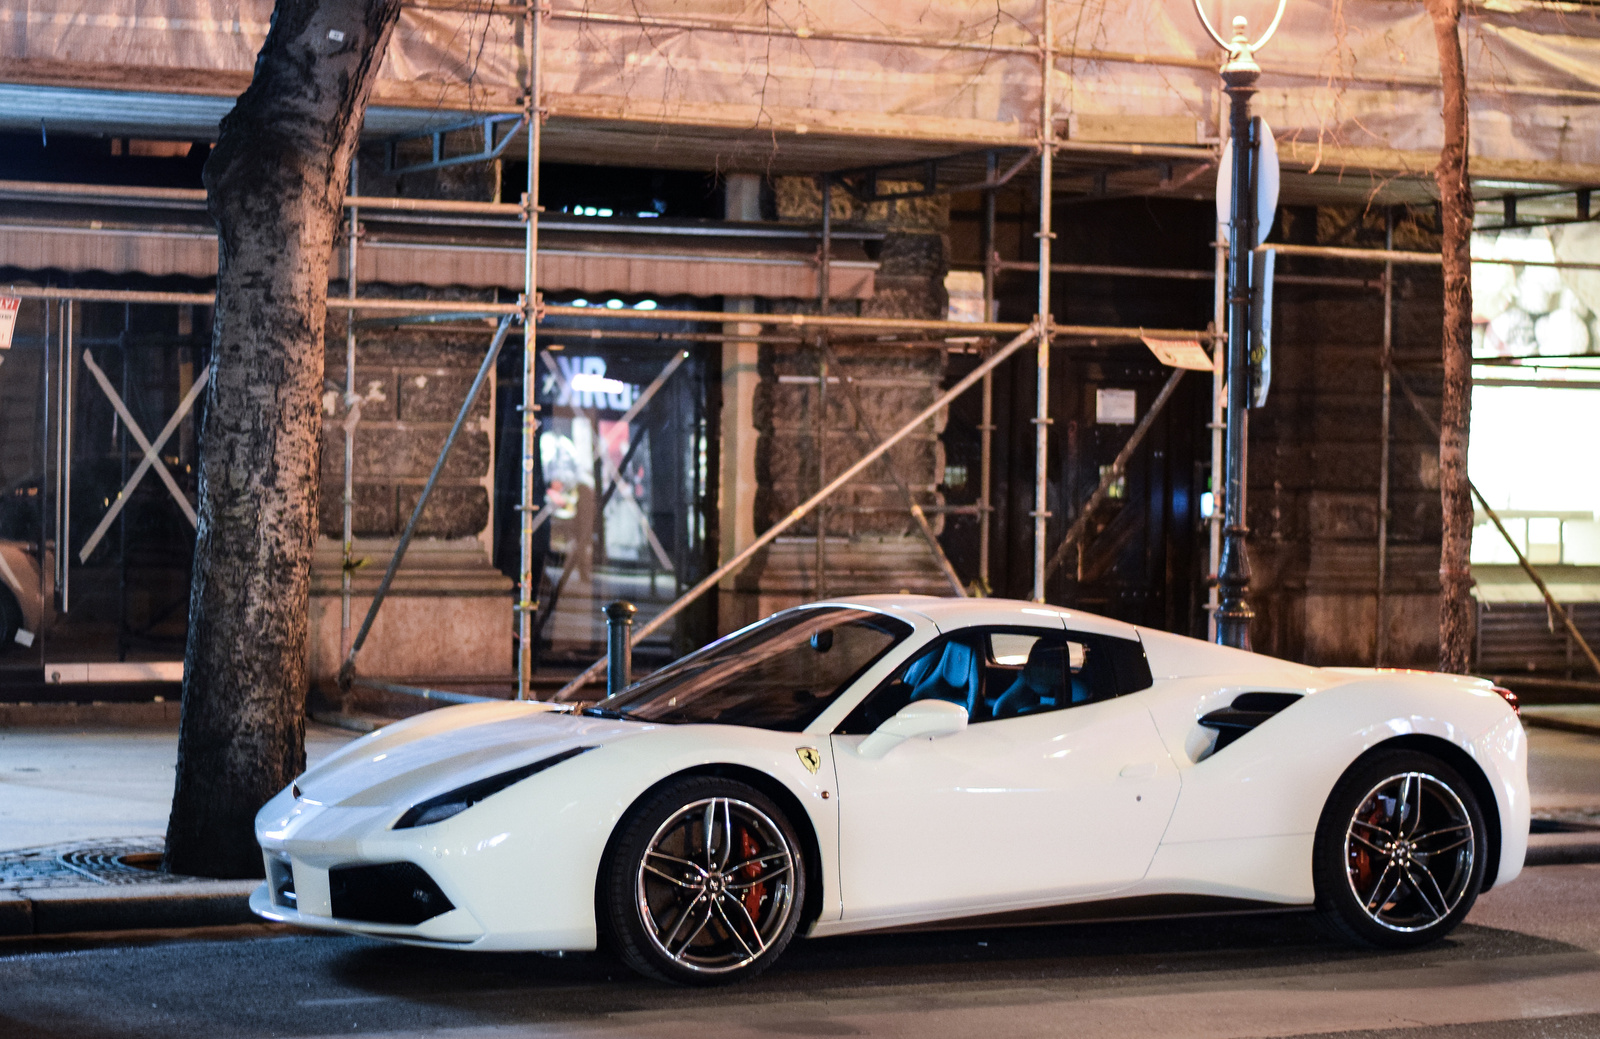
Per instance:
x=1344, y=80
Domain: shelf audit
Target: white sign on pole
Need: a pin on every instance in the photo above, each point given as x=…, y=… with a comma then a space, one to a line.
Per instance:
x=8, y=319
x=1266, y=186
x=1261, y=268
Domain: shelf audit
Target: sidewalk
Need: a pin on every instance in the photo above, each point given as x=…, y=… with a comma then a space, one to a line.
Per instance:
x=83, y=808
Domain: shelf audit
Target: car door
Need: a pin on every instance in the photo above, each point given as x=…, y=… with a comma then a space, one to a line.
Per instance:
x=1057, y=802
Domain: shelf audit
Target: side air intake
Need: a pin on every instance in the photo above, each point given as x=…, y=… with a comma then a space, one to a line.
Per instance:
x=1246, y=712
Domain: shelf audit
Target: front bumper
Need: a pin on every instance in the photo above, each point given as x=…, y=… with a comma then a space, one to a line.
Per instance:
x=456, y=927
x=511, y=887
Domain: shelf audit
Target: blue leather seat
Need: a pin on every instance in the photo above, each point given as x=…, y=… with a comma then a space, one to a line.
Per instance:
x=1041, y=684
x=955, y=678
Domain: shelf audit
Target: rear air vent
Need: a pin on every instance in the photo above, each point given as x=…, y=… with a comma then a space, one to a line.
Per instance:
x=391, y=893
x=1246, y=712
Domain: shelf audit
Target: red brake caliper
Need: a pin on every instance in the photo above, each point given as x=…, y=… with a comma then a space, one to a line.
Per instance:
x=1363, y=857
x=749, y=849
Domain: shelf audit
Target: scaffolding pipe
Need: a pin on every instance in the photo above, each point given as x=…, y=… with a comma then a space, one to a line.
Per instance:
x=64, y=457
x=961, y=329
x=1042, y=318
x=799, y=321
x=195, y=198
x=800, y=511
x=352, y=404
x=347, y=670
x=434, y=695
x=47, y=387
x=533, y=114
x=209, y=299
x=1380, y=642
x=475, y=322
x=1219, y=422
x=1388, y=257
x=1184, y=274
x=991, y=261
x=1114, y=472
x=824, y=271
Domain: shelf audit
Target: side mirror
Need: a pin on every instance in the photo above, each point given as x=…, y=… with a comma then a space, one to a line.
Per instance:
x=924, y=719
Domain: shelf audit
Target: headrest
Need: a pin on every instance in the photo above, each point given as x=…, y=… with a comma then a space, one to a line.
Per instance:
x=1046, y=669
x=919, y=668
x=956, y=667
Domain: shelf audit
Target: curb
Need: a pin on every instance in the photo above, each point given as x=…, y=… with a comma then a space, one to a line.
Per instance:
x=351, y=722
x=20, y=715
x=1561, y=849
x=73, y=909
x=1561, y=724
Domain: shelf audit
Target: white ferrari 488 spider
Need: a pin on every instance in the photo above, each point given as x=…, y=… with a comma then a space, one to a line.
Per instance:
x=900, y=762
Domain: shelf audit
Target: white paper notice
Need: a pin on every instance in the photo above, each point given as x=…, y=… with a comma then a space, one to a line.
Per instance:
x=1115, y=407
x=8, y=319
x=1180, y=353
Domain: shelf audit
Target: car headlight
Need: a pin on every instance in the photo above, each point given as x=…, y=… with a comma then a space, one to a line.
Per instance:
x=438, y=809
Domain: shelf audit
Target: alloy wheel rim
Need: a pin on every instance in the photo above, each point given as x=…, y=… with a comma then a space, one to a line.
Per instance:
x=1408, y=852
x=715, y=885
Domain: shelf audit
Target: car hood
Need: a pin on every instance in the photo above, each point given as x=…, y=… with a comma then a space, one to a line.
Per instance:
x=443, y=749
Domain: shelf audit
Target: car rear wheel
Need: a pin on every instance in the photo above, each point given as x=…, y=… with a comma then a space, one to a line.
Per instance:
x=704, y=883
x=1399, y=855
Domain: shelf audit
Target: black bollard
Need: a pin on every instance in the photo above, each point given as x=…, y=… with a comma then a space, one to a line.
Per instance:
x=619, y=654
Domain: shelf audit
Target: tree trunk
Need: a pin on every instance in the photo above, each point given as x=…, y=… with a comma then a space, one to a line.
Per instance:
x=275, y=186
x=1455, y=207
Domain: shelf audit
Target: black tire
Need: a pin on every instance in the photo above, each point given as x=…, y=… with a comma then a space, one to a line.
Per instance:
x=697, y=912
x=1399, y=853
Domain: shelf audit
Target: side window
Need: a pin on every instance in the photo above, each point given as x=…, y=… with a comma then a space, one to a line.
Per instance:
x=949, y=669
x=999, y=673
x=1113, y=666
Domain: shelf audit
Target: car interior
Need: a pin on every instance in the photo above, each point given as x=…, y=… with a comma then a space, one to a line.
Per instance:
x=994, y=674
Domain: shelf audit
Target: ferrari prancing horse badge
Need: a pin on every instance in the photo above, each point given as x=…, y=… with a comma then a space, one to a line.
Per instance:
x=809, y=758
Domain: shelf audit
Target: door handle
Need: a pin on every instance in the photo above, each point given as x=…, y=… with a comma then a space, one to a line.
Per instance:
x=1143, y=770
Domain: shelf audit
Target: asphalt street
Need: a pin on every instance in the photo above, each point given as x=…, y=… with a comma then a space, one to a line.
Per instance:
x=1526, y=965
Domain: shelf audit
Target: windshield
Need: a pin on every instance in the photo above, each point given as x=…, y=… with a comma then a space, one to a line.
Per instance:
x=778, y=674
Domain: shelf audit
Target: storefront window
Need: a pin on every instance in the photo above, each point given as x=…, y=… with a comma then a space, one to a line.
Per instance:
x=623, y=460
x=1536, y=393
x=96, y=532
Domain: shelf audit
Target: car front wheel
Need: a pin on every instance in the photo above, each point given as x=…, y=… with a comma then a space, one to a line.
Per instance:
x=704, y=883
x=1399, y=854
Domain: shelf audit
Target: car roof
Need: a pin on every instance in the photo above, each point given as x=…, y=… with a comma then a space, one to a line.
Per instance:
x=948, y=613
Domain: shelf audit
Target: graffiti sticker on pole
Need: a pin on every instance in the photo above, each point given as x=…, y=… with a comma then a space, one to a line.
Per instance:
x=8, y=319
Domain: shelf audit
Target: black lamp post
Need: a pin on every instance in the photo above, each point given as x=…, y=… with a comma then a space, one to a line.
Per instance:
x=1233, y=571
x=1239, y=77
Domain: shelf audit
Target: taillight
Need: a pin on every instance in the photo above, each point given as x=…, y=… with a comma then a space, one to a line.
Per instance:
x=1510, y=698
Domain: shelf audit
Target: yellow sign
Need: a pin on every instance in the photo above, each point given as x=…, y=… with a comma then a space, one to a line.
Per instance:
x=809, y=758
